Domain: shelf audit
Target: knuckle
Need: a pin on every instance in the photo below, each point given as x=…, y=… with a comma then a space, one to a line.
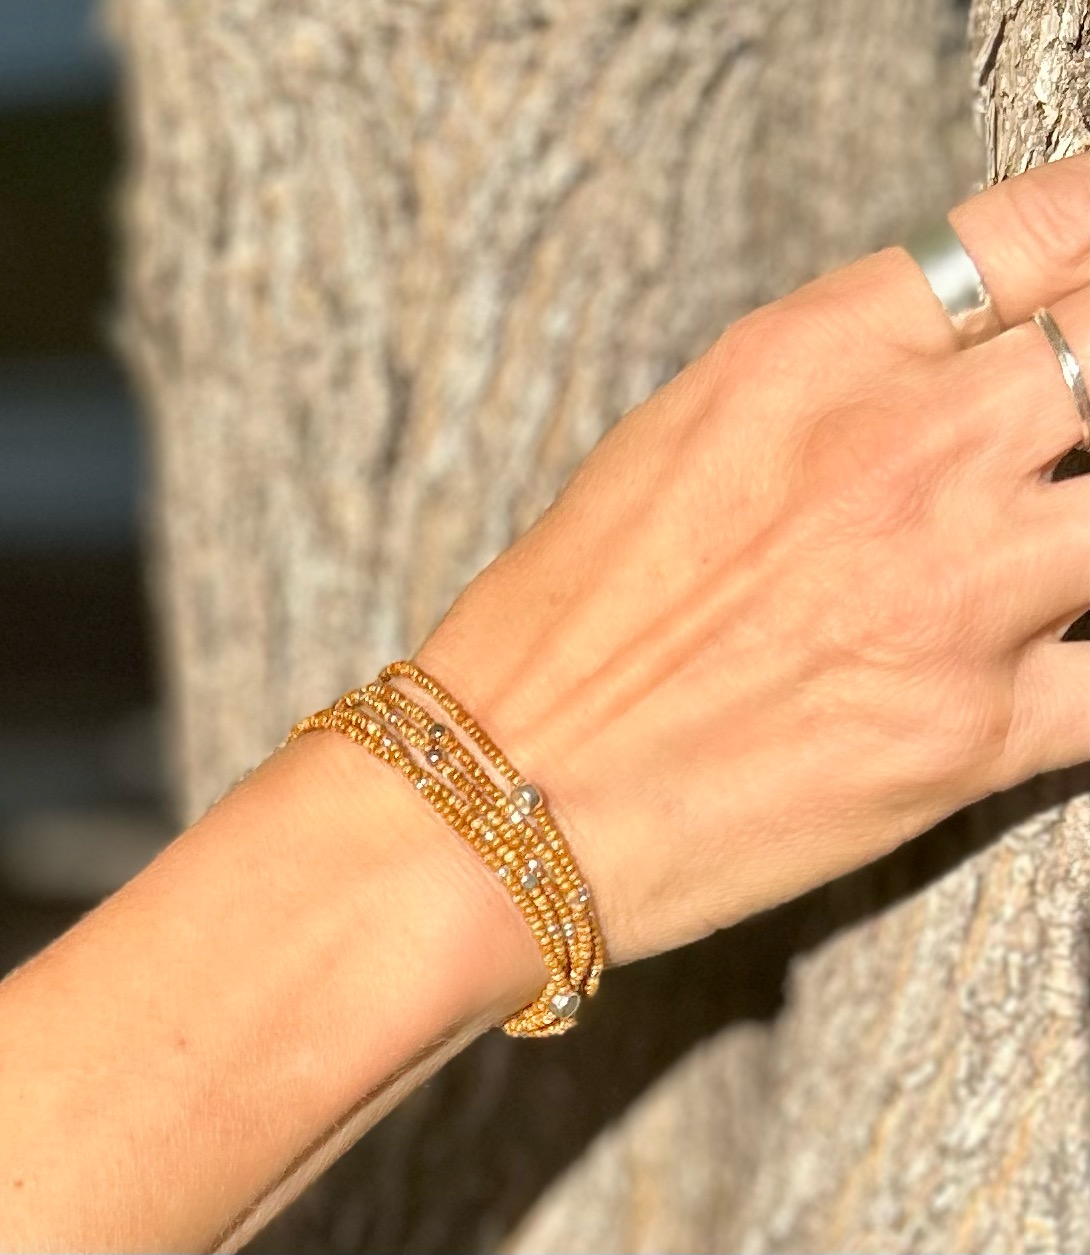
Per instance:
x=756, y=336
x=869, y=475
x=796, y=350
x=968, y=735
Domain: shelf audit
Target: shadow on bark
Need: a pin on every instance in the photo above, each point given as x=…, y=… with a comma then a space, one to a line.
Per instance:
x=456, y=1167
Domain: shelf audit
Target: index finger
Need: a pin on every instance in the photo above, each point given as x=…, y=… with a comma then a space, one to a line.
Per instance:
x=1029, y=237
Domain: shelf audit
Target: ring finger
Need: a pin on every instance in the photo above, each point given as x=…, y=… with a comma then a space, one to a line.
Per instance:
x=1022, y=409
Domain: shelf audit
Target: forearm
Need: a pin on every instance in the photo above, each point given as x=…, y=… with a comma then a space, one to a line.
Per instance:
x=314, y=937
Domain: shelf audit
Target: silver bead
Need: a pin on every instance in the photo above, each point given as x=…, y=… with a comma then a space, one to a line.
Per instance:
x=393, y=717
x=527, y=797
x=437, y=732
x=578, y=898
x=565, y=1005
x=553, y=929
x=434, y=756
x=504, y=873
x=528, y=880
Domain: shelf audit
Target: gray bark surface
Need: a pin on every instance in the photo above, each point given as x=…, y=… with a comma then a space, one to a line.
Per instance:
x=926, y=1088
x=1033, y=81
x=391, y=270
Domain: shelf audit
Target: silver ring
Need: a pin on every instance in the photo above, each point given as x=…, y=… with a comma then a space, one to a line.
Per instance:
x=955, y=280
x=1072, y=371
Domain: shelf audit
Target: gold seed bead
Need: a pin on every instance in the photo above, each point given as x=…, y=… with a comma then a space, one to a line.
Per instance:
x=555, y=958
x=357, y=717
x=588, y=928
x=388, y=697
x=444, y=758
x=567, y=930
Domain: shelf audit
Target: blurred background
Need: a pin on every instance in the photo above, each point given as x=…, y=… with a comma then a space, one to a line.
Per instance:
x=82, y=793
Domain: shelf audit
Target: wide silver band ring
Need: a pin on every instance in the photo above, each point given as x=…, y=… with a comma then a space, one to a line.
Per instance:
x=955, y=280
x=1072, y=371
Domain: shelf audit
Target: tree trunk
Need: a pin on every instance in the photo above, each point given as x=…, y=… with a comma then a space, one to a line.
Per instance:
x=391, y=270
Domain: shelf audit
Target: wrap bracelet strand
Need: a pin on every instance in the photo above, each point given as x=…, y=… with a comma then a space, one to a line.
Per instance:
x=542, y=835
x=494, y=818
x=419, y=728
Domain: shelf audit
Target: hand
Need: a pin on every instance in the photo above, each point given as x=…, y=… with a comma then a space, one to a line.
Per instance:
x=807, y=600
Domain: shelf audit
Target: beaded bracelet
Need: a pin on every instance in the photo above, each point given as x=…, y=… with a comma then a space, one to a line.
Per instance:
x=501, y=816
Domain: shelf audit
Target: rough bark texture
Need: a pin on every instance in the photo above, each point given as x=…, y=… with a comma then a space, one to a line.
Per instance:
x=1033, y=78
x=926, y=1088
x=392, y=269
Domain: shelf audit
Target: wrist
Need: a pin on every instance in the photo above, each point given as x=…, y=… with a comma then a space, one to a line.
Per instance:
x=453, y=917
x=533, y=714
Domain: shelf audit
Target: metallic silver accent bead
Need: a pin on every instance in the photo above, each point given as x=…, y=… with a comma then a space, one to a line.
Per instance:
x=565, y=1005
x=578, y=897
x=434, y=756
x=553, y=929
x=527, y=797
x=528, y=880
x=393, y=717
x=437, y=732
x=534, y=866
x=504, y=873
x=387, y=741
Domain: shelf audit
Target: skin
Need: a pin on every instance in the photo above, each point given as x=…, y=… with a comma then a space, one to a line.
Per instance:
x=806, y=600
x=794, y=609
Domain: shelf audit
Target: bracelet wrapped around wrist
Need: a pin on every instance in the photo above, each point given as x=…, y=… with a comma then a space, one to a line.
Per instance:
x=422, y=730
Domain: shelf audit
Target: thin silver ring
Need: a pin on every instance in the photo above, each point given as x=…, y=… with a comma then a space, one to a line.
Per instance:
x=955, y=280
x=1072, y=371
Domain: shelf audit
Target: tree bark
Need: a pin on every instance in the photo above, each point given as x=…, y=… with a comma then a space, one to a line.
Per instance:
x=1032, y=81
x=391, y=271
x=926, y=1088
